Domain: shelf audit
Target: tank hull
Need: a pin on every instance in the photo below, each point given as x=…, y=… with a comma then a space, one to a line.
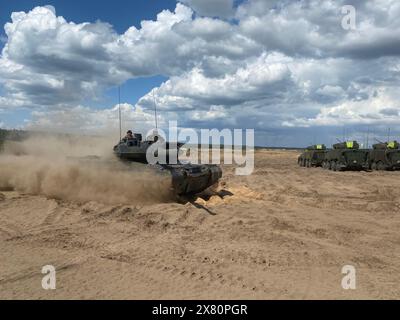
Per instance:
x=311, y=158
x=186, y=179
x=384, y=159
x=346, y=159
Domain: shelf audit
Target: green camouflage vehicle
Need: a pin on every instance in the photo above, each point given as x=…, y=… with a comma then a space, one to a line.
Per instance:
x=313, y=156
x=186, y=178
x=385, y=156
x=346, y=156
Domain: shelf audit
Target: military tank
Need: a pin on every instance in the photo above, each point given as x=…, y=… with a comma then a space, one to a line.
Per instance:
x=187, y=179
x=313, y=156
x=346, y=156
x=384, y=156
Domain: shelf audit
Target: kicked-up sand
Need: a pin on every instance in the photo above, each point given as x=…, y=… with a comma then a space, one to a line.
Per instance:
x=285, y=232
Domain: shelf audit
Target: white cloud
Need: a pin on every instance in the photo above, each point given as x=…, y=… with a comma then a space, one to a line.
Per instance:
x=381, y=108
x=265, y=76
x=90, y=121
x=279, y=63
x=212, y=8
x=313, y=28
x=48, y=61
x=214, y=113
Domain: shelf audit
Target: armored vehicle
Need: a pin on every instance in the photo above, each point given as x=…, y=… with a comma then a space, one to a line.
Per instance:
x=346, y=155
x=185, y=178
x=132, y=149
x=385, y=156
x=313, y=156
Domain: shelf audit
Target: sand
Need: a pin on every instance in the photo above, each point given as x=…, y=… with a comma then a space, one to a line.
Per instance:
x=284, y=232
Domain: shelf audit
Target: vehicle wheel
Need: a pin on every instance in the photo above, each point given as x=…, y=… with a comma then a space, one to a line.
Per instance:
x=308, y=163
x=380, y=166
x=337, y=167
x=334, y=165
x=373, y=166
x=330, y=165
x=323, y=165
x=303, y=162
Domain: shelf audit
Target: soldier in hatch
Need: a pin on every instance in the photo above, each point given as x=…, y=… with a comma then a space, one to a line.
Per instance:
x=129, y=136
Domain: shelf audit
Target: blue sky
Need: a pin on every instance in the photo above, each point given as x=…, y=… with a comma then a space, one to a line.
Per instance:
x=288, y=69
x=121, y=14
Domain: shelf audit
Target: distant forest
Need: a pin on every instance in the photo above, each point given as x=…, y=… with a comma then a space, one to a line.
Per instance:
x=18, y=135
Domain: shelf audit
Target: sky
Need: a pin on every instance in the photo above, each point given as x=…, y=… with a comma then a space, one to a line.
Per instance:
x=293, y=71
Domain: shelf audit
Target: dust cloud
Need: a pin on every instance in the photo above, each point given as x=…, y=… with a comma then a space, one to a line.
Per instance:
x=80, y=169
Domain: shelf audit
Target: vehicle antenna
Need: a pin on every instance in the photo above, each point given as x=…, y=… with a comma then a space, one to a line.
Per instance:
x=364, y=139
x=374, y=134
x=119, y=112
x=155, y=110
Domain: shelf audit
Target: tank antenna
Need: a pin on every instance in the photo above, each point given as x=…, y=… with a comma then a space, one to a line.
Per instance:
x=374, y=133
x=119, y=112
x=388, y=135
x=364, y=139
x=155, y=110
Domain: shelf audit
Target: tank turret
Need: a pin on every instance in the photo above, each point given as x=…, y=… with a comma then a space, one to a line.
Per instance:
x=185, y=178
x=347, y=145
x=386, y=145
x=317, y=147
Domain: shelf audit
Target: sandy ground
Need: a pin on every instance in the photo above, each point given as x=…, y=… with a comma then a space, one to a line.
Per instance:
x=284, y=232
